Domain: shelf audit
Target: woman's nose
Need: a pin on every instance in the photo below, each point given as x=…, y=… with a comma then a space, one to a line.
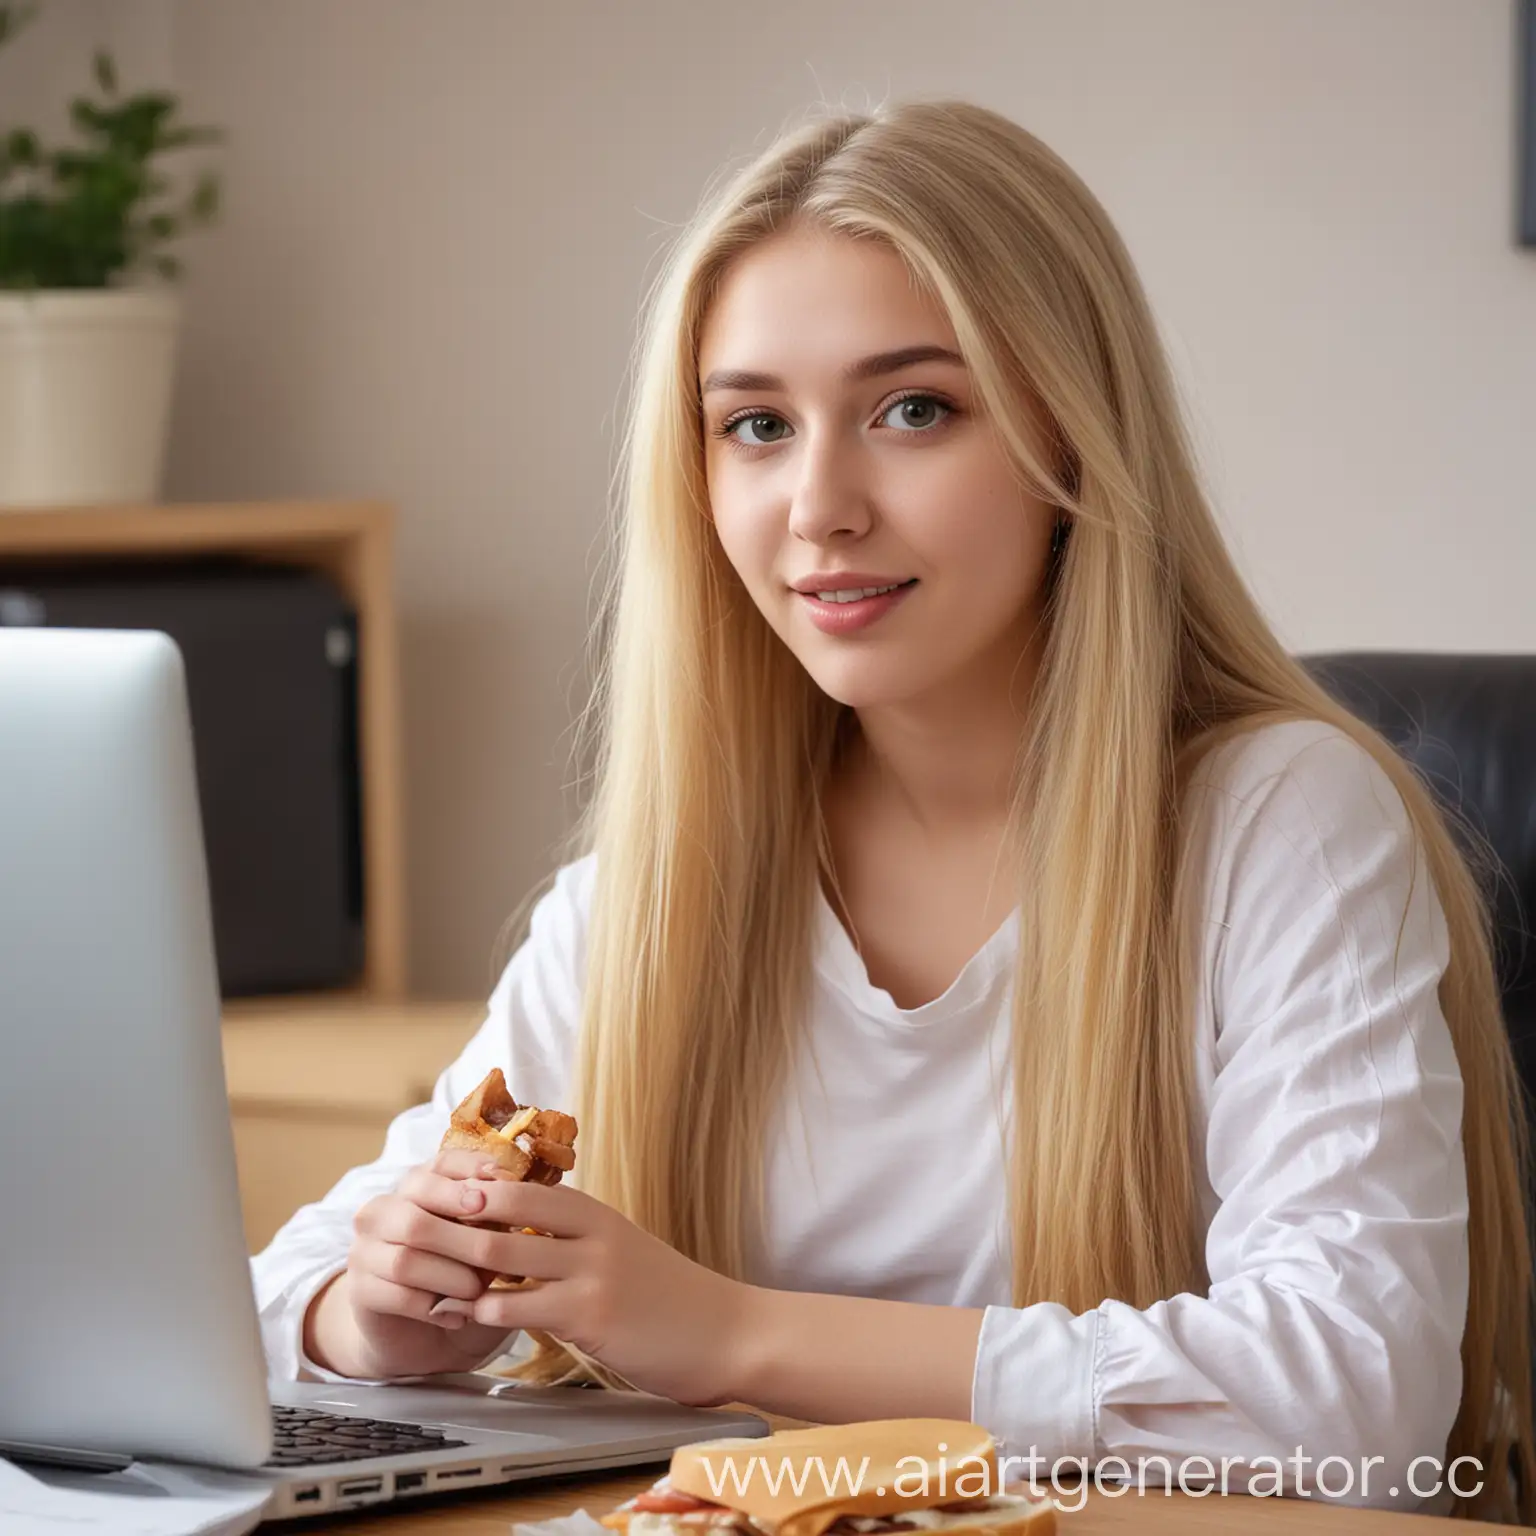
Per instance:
x=830, y=496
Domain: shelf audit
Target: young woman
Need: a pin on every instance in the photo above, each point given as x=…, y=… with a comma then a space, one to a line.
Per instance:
x=992, y=980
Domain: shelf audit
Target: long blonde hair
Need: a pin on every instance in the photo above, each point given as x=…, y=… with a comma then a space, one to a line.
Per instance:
x=713, y=746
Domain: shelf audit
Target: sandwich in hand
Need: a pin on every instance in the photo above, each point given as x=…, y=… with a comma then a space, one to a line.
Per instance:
x=871, y=1479
x=531, y=1144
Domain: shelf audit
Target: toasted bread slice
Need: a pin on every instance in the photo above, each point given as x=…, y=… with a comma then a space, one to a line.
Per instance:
x=1007, y=1514
x=539, y=1147
x=532, y=1145
x=765, y=1487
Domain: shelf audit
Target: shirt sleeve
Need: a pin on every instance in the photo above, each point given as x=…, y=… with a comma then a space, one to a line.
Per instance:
x=1337, y=1244
x=529, y=1031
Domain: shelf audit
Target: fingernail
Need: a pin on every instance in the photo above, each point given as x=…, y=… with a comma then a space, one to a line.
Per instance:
x=489, y=1170
x=450, y=1321
x=472, y=1199
x=451, y=1306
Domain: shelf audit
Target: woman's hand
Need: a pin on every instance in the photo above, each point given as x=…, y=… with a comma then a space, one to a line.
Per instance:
x=664, y=1323
x=375, y=1320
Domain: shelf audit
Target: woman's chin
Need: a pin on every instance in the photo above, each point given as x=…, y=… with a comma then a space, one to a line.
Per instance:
x=863, y=687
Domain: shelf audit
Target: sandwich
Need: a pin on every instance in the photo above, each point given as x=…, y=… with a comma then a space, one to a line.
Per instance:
x=873, y=1479
x=534, y=1145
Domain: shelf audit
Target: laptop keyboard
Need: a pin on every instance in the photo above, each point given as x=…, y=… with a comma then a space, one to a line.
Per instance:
x=303, y=1438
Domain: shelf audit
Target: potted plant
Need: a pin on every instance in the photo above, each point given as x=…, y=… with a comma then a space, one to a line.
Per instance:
x=89, y=314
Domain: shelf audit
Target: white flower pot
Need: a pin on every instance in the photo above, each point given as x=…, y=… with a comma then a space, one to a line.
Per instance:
x=85, y=395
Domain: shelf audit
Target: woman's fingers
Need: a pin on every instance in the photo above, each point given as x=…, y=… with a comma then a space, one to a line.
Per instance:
x=490, y=1196
x=470, y=1247
x=415, y=1269
x=429, y=1249
x=423, y=1212
x=444, y=1195
x=372, y=1293
x=529, y=1255
x=553, y=1208
x=456, y=1164
x=534, y=1306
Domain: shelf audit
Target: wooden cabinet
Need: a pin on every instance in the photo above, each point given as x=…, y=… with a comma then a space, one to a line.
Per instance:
x=352, y=542
x=313, y=1085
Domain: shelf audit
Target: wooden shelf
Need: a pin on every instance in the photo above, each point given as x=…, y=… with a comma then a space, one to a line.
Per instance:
x=318, y=1055
x=189, y=528
x=352, y=542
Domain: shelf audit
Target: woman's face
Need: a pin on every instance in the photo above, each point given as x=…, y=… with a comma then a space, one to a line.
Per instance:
x=844, y=452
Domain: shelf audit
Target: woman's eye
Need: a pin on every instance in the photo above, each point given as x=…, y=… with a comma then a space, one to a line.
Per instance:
x=915, y=413
x=773, y=430
x=911, y=414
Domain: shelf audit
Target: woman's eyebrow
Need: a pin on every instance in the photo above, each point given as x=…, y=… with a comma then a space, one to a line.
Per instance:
x=871, y=367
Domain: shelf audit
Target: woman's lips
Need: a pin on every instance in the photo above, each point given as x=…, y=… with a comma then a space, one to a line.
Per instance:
x=846, y=618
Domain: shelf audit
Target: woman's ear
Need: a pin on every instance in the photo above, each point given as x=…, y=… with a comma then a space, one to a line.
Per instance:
x=1061, y=456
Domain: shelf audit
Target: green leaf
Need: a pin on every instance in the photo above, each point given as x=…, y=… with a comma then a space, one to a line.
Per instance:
x=22, y=148
x=204, y=206
x=91, y=120
x=80, y=214
x=72, y=164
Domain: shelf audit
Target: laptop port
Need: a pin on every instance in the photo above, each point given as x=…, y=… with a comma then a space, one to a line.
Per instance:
x=455, y=1474
x=306, y=1496
x=409, y=1482
x=360, y=1485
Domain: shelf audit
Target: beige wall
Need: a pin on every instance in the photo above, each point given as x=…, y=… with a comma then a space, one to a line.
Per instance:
x=441, y=216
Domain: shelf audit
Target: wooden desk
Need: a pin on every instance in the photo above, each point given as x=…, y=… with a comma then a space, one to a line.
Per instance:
x=1150, y=1514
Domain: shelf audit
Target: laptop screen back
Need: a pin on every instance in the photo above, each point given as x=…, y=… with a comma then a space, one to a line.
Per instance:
x=127, y=1322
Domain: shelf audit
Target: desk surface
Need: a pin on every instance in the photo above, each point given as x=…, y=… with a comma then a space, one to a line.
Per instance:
x=1153, y=1513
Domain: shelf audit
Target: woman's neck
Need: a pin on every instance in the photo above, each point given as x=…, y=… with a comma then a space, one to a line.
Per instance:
x=944, y=762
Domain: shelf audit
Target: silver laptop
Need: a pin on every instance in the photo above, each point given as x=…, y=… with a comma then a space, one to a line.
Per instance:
x=127, y=1323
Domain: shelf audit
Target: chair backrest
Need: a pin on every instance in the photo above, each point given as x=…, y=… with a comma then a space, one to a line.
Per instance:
x=1468, y=723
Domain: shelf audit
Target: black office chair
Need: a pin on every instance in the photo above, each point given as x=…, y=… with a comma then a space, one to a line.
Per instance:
x=1469, y=724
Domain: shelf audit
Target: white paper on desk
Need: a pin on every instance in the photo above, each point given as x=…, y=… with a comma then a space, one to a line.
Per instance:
x=149, y=1499
x=579, y=1524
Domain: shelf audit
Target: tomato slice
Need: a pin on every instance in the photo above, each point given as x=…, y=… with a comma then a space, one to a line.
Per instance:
x=668, y=1502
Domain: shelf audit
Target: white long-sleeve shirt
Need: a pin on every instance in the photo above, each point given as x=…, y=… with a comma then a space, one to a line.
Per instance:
x=1327, y=1106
